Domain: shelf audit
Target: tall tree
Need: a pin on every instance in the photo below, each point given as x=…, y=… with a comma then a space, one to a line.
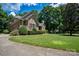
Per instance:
x=61, y=8
x=45, y=15
x=3, y=19
x=51, y=16
x=71, y=17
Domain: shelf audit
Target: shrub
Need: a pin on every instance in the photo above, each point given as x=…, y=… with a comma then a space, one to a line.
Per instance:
x=23, y=30
x=14, y=33
x=38, y=32
x=6, y=31
x=34, y=29
x=1, y=30
x=41, y=31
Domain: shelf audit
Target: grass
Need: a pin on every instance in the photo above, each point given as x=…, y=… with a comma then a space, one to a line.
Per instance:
x=58, y=41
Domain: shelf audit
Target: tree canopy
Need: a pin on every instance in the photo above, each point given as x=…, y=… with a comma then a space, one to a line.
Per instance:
x=71, y=17
x=4, y=19
x=52, y=17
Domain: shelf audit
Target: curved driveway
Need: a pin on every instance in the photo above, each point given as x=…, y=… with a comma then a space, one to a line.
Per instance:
x=9, y=48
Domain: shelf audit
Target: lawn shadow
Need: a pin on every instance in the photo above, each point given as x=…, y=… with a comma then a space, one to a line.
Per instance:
x=74, y=35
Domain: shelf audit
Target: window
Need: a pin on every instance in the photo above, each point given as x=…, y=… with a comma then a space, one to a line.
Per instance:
x=40, y=28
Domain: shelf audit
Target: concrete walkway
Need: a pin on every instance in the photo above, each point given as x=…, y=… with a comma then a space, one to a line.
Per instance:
x=9, y=48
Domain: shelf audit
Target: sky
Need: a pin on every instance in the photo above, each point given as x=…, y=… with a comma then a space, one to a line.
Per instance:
x=17, y=8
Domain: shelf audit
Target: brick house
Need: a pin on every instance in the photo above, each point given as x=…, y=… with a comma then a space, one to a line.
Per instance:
x=29, y=20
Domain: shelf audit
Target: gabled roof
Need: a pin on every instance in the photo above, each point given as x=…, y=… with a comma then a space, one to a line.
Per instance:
x=18, y=17
x=28, y=16
x=25, y=17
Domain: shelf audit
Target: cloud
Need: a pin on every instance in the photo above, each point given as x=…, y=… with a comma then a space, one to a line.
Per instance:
x=12, y=7
x=16, y=6
x=12, y=13
x=30, y=4
x=54, y=4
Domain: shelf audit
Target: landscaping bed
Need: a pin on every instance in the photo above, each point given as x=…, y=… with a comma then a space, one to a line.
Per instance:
x=58, y=41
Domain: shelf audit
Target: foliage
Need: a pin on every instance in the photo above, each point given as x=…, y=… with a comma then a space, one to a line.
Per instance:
x=3, y=24
x=4, y=20
x=34, y=29
x=2, y=13
x=70, y=43
x=10, y=18
x=37, y=32
x=51, y=16
x=23, y=30
x=71, y=18
x=42, y=31
x=14, y=33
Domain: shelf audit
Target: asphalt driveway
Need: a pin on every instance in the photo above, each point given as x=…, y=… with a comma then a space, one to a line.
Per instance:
x=9, y=48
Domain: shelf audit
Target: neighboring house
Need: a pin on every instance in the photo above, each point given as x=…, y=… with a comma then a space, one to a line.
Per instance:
x=29, y=20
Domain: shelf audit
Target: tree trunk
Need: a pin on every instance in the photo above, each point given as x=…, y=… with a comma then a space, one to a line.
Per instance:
x=70, y=33
x=59, y=29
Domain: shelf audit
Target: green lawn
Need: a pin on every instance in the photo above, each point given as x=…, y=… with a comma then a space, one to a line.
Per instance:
x=58, y=41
